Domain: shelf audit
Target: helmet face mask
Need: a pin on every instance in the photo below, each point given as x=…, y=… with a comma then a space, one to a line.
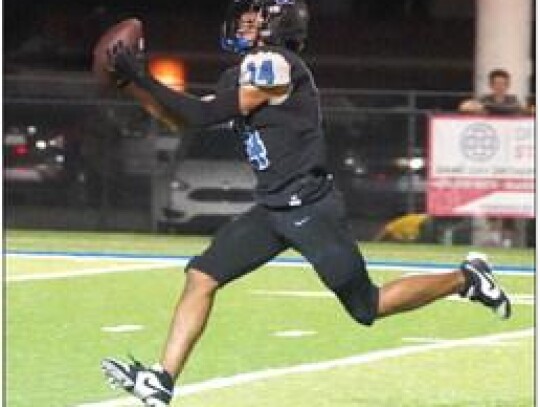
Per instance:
x=282, y=23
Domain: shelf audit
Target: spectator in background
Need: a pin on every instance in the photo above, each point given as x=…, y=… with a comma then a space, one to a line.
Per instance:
x=498, y=102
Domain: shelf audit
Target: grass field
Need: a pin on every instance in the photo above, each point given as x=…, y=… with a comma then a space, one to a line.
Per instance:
x=276, y=338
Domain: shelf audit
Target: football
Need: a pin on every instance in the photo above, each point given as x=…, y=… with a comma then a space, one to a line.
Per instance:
x=130, y=32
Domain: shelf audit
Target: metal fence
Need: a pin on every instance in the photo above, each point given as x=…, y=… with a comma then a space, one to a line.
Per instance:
x=76, y=158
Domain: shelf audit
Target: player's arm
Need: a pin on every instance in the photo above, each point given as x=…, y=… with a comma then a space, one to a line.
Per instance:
x=176, y=108
x=182, y=107
x=153, y=107
x=251, y=97
x=176, y=113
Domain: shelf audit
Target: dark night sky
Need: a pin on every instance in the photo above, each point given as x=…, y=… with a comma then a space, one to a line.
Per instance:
x=60, y=34
x=22, y=18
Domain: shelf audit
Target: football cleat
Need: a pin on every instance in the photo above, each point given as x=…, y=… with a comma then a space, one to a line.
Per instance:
x=152, y=385
x=482, y=287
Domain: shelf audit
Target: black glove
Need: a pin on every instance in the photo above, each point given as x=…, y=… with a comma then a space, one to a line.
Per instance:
x=127, y=65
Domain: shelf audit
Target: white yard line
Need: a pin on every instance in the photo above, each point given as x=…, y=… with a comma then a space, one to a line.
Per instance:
x=518, y=299
x=487, y=342
x=262, y=375
x=297, y=333
x=293, y=293
x=86, y=272
x=94, y=257
x=122, y=328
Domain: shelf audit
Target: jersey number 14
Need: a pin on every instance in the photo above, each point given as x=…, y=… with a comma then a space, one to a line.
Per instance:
x=262, y=74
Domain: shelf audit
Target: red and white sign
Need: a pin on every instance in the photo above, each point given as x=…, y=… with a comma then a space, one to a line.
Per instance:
x=481, y=166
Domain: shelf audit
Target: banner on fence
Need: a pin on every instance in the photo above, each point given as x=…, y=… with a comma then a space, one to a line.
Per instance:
x=481, y=166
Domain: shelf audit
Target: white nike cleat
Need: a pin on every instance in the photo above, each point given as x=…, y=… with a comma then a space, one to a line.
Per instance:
x=153, y=386
x=482, y=287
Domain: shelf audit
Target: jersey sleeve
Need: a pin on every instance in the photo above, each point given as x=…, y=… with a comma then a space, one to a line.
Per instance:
x=265, y=69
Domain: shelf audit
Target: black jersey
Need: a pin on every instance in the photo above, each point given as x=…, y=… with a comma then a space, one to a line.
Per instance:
x=283, y=138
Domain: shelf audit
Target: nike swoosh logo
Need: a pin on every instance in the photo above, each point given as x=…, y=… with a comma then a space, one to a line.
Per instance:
x=489, y=288
x=147, y=384
x=302, y=221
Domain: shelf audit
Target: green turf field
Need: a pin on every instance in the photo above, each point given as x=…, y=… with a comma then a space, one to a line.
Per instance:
x=276, y=338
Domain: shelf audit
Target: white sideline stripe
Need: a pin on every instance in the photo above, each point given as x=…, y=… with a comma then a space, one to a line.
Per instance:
x=276, y=262
x=86, y=272
x=519, y=299
x=78, y=257
x=250, y=377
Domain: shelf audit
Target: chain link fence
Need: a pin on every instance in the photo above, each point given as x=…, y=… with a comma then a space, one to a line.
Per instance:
x=77, y=158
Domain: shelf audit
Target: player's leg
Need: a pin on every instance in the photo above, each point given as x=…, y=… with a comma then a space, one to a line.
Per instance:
x=319, y=231
x=474, y=280
x=326, y=242
x=154, y=385
x=189, y=319
x=238, y=248
x=408, y=293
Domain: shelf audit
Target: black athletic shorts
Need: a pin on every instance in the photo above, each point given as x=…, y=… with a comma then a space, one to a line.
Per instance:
x=319, y=231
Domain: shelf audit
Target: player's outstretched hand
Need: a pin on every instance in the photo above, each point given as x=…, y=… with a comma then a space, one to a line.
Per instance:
x=126, y=64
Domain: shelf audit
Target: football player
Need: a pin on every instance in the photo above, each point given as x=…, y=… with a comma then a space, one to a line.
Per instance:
x=274, y=104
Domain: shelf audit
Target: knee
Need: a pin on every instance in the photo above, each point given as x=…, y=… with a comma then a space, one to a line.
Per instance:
x=344, y=272
x=198, y=282
x=360, y=299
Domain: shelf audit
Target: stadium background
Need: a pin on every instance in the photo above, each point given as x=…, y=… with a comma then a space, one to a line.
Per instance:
x=383, y=67
x=101, y=205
